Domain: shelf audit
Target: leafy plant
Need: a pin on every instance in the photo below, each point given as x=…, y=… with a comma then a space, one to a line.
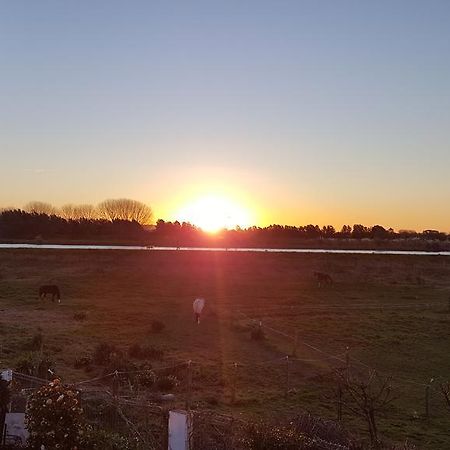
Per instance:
x=54, y=417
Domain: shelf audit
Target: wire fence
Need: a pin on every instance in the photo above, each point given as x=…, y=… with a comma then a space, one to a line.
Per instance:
x=115, y=401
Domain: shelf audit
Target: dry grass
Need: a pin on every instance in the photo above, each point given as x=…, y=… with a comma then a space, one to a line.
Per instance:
x=122, y=293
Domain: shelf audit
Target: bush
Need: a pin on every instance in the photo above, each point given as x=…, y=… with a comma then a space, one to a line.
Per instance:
x=157, y=326
x=167, y=382
x=26, y=364
x=257, y=334
x=146, y=352
x=146, y=379
x=82, y=362
x=35, y=343
x=103, y=353
x=80, y=316
x=54, y=418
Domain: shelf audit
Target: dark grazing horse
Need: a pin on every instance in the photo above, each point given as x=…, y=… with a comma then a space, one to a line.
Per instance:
x=323, y=278
x=50, y=289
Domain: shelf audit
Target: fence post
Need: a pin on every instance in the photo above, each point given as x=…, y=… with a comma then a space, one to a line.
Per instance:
x=233, y=386
x=287, y=375
x=294, y=350
x=189, y=385
x=347, y=361
x=115, y=385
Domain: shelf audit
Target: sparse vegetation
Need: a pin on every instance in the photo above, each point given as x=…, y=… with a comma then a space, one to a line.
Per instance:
x=122, y=292
x=157, y=326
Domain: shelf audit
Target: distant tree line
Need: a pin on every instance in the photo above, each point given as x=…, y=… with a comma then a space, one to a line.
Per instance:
x=124, y=220
x=357, y=231
x=113, y=220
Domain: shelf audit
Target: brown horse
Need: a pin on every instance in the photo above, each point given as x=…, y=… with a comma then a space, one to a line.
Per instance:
x=50, y=289
x=323, y=279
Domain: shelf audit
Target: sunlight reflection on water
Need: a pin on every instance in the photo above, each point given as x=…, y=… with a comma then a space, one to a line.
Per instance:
x=218, y=249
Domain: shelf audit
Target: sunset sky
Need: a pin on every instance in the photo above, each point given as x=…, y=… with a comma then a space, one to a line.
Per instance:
x=299, y=111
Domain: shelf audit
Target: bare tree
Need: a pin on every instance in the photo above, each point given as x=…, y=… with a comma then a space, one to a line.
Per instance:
x=86, y=211
x=125, y=209
x=78, y=212
x=40, y=208
x=366, y=398
x=67, y=211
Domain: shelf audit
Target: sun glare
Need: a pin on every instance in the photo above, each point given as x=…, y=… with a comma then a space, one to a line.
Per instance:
x=213, y=212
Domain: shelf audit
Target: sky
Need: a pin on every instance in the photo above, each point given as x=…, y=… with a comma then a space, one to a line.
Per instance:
x=316, y=111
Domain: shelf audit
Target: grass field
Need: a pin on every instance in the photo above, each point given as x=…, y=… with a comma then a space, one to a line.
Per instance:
x=375, y=307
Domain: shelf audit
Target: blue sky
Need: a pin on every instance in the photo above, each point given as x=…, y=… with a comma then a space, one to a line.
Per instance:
x=314, y=111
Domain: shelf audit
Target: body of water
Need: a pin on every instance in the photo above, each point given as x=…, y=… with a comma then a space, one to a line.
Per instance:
x=218, y=249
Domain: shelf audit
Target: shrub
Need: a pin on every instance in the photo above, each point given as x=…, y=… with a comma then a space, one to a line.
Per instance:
x=80, y=316
x=157, y=326
x=146, y=379
x=82, y=362
x=103, y=353
x=167, y=382
x=54, y=417
x=35, y=343
x=26, y=364
x=146, y=352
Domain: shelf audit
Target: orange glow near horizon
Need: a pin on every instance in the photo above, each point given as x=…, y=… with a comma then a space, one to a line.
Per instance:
x=214, y=212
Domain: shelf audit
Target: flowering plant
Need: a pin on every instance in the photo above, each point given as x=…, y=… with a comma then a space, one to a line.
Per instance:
x=54, y=417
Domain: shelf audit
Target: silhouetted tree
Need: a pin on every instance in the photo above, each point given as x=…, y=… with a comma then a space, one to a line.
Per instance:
x=346, y=231
x=36, y=207
x=125, y=209
x=360, y=231
x=78, y=212
x=328, y=231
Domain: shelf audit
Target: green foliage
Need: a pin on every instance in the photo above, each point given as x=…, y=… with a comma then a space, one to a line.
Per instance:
x=97, y=439
x=54, y=418
x=146, y=379
x=26, y=364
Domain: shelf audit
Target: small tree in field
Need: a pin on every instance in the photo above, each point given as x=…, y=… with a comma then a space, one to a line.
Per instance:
x=54, y=418
x=366, y=397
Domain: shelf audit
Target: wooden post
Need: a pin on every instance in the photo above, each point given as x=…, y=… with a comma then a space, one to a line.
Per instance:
x=449, y=304
x=115, y=385
x=287, y=376
x=294, y=350
x=233, y=385
x=189, y=385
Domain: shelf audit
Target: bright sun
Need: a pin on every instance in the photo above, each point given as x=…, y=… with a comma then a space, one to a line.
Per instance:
x=214, y=212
